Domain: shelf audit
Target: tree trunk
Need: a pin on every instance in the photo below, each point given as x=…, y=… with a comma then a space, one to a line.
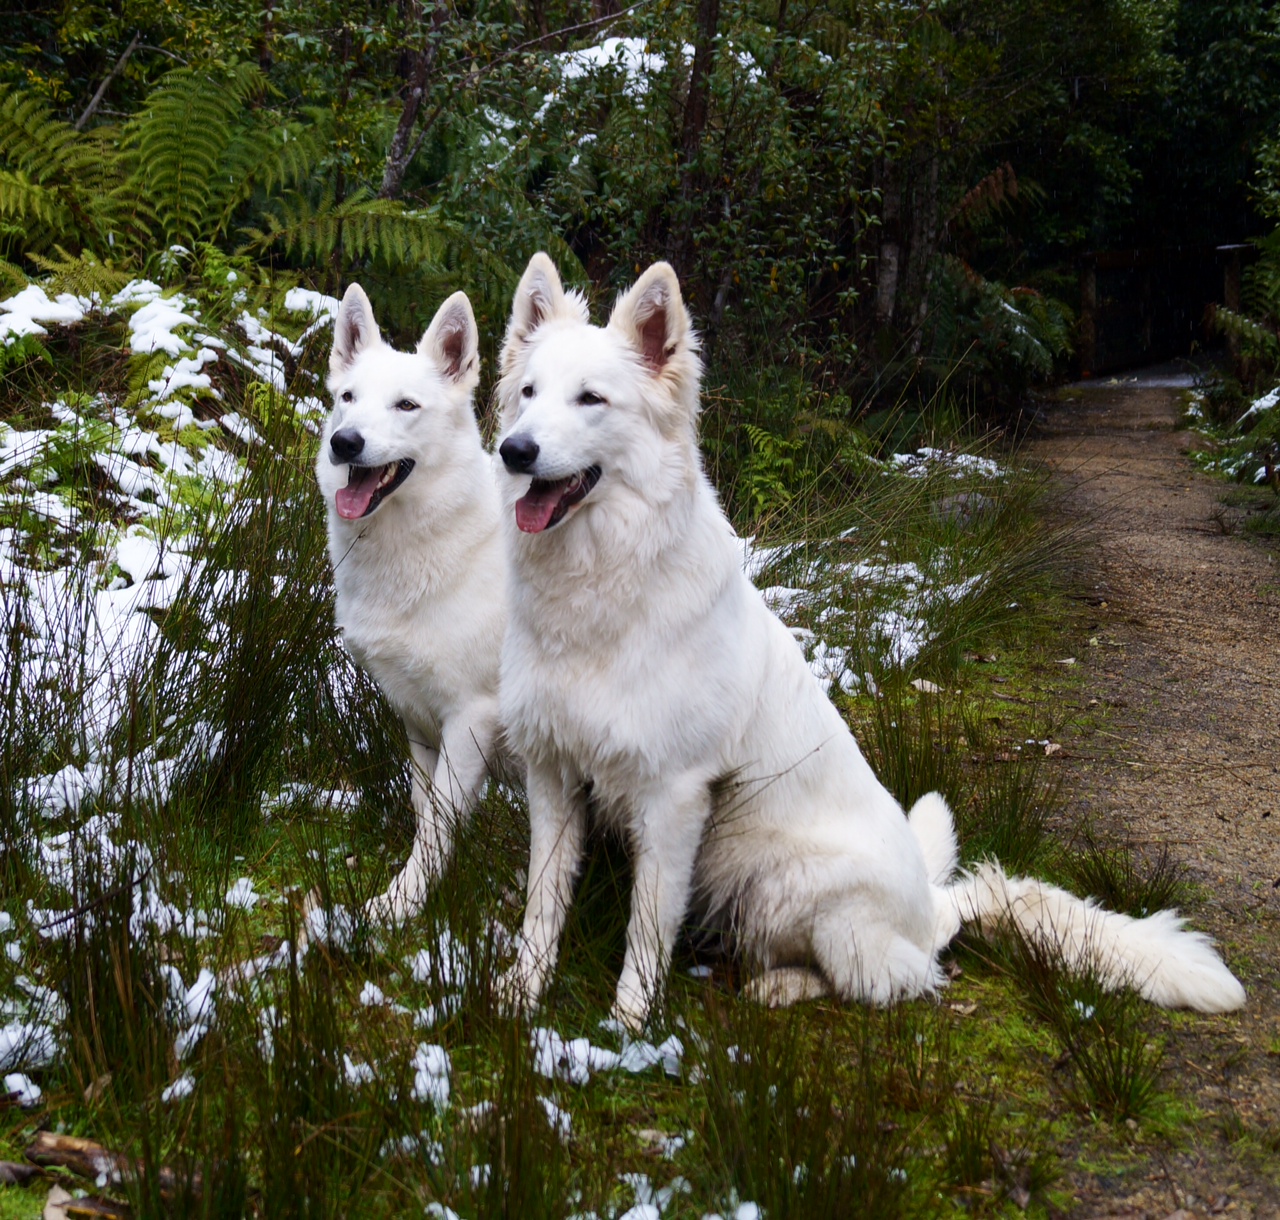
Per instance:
x=925, y=252
x=696, y=108
x=266, y=55
x=422, y=64
x=888, y=261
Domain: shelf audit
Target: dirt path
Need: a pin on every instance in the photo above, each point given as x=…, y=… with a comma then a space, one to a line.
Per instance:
x=1187, y=665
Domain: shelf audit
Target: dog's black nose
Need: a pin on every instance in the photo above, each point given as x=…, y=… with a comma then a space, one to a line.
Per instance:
x=347, y=445
x=519, y=453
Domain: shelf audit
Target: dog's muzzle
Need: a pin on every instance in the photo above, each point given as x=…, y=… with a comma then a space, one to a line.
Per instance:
x=549, y=501
x=368, y=486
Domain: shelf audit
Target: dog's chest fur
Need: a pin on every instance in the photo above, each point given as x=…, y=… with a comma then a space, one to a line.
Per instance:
x=422, y=607
x=588, y=675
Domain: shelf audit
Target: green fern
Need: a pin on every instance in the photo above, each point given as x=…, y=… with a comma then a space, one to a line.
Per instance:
x=12, y=278
x=82, y=274
x=177, y=149
x=54, y=181
x=361, y=228
x=268, y=161
x=199, y=167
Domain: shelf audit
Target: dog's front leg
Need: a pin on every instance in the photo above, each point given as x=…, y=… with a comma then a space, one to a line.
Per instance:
x=557, y=830
x=667, y=831
x=408, y=890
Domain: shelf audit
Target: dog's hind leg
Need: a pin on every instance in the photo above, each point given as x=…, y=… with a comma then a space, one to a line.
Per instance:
x=786, y=985
x=557, y=832
x=667, y=830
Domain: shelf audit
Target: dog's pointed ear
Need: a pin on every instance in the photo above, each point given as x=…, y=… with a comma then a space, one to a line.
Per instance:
x=651, y=315
x=452, y=342
x=540, y=295
x=354, y=330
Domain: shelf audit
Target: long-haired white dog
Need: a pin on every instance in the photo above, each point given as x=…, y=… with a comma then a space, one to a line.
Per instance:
x=641, y=664
x=418, y=561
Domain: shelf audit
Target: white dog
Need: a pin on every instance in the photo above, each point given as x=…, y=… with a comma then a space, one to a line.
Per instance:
x=642, y=663
x=418, y=561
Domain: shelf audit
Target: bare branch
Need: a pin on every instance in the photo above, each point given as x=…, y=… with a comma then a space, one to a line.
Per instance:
x=106, y=84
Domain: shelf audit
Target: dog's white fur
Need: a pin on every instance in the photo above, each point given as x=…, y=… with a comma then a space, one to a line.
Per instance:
x=642, y=663
x=420, y=581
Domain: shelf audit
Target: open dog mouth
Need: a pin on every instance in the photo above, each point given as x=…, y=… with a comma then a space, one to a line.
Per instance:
x=547, y=502
x=368, y=486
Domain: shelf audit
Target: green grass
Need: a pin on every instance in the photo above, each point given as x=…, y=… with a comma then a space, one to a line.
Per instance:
x=828, y=1110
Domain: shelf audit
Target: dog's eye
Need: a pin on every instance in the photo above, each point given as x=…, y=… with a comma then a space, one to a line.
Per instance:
x=589, y=398
x=348, y=396
x=406, y=404
x=526, y=391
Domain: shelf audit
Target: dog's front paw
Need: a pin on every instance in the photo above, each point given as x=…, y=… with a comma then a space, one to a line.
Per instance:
x=630, y=1011
x=403, y=899
x=517, y=991
x=388, y=908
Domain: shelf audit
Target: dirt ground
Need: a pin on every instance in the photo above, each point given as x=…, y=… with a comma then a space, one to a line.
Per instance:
x=1181, y=649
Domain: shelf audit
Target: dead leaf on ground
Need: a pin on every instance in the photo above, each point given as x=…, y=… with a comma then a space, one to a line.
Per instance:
x=94, y=1208
x=55, y=1206
x=1052, y=747
x=89, y=1159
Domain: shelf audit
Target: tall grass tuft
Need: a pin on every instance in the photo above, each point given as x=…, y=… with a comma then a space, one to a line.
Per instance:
x=919, y=743
x=1122, y=880
x=1113, y=1061
x=803, y=1133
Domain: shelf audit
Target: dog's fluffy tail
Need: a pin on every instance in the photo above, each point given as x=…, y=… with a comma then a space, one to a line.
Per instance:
x=1156, y=956
x=931, y=821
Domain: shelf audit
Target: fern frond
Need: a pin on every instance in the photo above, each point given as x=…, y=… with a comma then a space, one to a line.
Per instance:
x=36, y=143
x=1258, y=339
x=33, y=203
x=270, y=161
x=12, y=279
x=1261, y=297
x=360, y=227
x=176, y=146
x=82, y=274
x=54, y=181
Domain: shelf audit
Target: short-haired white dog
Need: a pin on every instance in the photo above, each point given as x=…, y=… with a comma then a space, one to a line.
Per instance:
x=418, y=562
x=642, y=665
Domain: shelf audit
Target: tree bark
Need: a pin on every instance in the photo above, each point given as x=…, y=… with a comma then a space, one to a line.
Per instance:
x=266, y=55
x=422, y=64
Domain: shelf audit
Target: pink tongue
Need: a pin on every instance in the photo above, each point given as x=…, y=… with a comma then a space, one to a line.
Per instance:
x=353, y=499
x=534, y=508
